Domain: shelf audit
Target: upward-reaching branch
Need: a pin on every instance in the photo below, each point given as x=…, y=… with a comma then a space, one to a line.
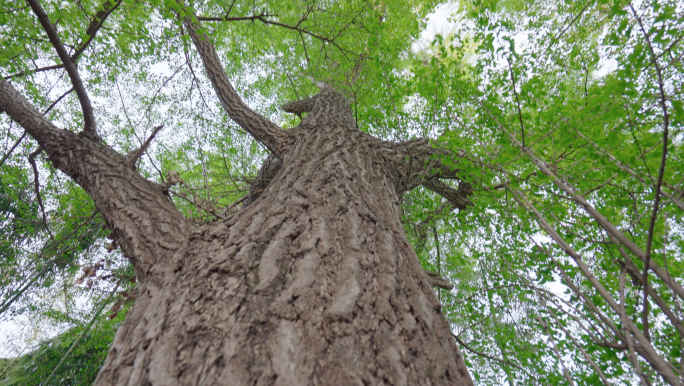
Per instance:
x=127, y=201
x=69, y=66
x=263, y=130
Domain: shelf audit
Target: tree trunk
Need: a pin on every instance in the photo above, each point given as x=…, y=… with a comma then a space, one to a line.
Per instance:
x=314, y=283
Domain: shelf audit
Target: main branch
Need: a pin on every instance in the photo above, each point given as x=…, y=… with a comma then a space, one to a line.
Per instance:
x=263, y=130
x=147, y=225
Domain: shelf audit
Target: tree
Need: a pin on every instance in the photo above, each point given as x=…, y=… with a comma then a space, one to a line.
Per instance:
x=313, y=282
x=563, y=117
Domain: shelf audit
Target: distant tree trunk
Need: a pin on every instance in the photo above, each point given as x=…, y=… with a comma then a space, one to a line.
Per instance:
x=313, y=283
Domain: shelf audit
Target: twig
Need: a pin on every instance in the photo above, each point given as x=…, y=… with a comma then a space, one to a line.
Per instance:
x=95, y=24
x=517, y=100
x=135, y=154
x=661, y=171
x=262, y=18
x=478, y=353
x=13, y=147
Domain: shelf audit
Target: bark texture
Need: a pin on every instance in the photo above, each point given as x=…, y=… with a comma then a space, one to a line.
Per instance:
x=312, y=283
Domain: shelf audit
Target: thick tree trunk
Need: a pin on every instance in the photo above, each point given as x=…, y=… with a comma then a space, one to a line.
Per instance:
x=314, y=283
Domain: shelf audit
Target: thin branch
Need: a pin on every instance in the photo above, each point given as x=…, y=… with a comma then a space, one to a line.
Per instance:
x=57, y=255
x=517, y=100
x=478, y=353
x=566, y=373
x=574, y=341
x=58, y=100
x=83, y=333
x=661, y=171
x=571, y=22
x=582, y=202
x=628, y=337
x=95, y=24
x=599, y=186
x=198, y=205
x=262, y=18
x=11, y=150
x=135, y=154
x=646, y=349
x=48, y=68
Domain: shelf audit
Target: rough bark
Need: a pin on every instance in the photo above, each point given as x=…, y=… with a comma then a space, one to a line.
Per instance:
x=313, y=283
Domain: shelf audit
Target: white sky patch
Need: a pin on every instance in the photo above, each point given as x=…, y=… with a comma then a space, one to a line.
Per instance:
x=441, y=22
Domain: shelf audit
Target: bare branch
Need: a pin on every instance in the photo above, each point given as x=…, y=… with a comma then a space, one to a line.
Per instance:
x=438, y=281
x=459, y=198
x=88, y=114
x=36, y=182
x=135, y=154
x=661, y=171
x=299, y=107
x=270, y=135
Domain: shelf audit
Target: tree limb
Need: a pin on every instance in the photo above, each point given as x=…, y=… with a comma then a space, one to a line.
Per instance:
x=266, y=132
x=135, y=154
x=109, y=180
x=457, y=197
x=89, y=128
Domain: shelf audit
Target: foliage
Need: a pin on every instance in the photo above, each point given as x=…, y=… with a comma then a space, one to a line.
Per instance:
x=83, y=363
